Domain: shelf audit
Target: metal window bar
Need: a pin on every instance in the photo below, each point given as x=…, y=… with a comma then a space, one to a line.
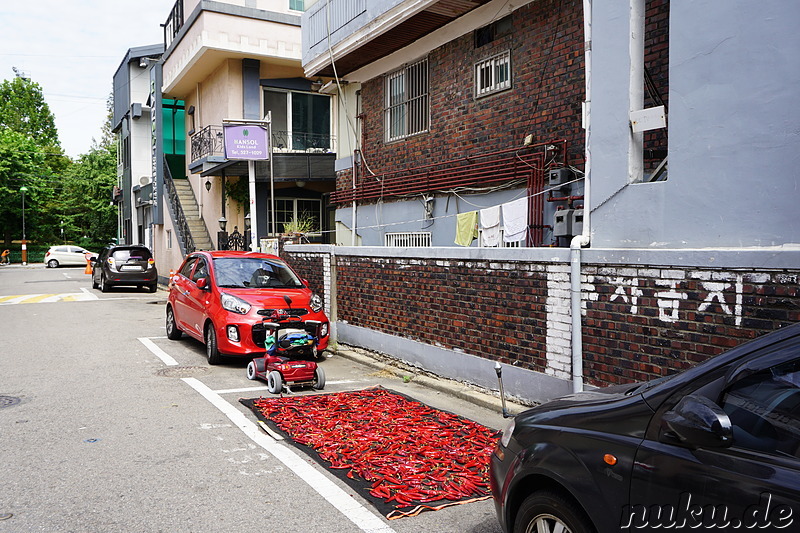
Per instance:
x=503, y=244
x=407, y=108
x=493, y=74
x=409, y=239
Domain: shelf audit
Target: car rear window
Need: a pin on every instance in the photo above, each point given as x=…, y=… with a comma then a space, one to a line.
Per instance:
x=123, y=255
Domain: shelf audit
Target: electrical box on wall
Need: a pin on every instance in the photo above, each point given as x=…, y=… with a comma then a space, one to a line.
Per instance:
x=577, y=221
x=558, y=176
x=562, y=223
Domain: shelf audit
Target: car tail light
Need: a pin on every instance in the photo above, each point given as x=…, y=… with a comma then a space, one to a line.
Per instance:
x=48, y=253
x=151, y=263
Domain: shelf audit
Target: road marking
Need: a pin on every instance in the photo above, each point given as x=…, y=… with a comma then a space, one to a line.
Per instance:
x=158, y=352
x=362, y=517
x=46, y=298
x=255, y=389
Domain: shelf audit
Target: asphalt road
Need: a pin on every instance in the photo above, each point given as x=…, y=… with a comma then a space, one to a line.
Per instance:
x=106, y=425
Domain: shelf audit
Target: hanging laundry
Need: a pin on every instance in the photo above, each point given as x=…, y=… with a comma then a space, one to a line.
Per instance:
x=515, y=220
x=490, y=226
x=466, y=228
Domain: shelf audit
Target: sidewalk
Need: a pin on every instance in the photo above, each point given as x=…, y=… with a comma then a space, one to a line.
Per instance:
x=463, y=391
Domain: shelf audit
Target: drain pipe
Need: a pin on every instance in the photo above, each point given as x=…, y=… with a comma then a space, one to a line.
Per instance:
x=582, y=240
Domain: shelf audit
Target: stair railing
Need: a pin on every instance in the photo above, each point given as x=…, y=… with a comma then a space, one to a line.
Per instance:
x=185, y=239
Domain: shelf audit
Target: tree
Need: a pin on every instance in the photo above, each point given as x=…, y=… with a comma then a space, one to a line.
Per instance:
x=21, y=162
x=85, y=203
x=23, y=109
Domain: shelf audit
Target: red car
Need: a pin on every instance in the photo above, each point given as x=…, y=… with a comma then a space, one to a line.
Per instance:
x=222, y=298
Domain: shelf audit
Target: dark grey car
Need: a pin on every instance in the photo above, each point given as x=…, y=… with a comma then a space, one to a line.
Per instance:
x=124, y=265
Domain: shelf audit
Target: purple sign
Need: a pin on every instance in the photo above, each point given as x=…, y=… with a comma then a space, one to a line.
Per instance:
x=247, y=142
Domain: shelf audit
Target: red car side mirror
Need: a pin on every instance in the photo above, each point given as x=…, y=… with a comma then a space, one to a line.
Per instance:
x=202, y=283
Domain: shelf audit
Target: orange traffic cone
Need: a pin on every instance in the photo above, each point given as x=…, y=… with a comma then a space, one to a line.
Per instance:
x=88, y=269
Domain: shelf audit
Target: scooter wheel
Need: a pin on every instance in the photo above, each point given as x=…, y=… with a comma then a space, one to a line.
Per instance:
x=274, y=382
x=251, y=370
x=319, y=379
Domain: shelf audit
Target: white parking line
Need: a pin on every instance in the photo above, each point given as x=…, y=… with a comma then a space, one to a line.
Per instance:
x=362, y=517
x=254, y=389
x=158, y=352
x=346, y=504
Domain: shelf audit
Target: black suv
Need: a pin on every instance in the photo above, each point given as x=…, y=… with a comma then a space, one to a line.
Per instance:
x=124, y=264
x=716, y=447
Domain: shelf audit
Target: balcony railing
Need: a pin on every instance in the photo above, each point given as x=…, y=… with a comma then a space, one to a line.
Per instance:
x=210, y=142
x=174, y=23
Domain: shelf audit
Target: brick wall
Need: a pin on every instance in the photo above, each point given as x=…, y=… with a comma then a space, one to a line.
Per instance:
x=639, y=322
x=650, y=322
x=546, y=46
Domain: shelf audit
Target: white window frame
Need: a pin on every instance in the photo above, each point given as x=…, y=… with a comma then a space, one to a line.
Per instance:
x=408, y=239
x=493, y=74
x=407, y=106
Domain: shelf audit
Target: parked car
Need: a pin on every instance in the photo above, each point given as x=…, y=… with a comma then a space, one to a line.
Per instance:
x=223, y=298
x=716, y=447
x=124, y=264
x=66, y=255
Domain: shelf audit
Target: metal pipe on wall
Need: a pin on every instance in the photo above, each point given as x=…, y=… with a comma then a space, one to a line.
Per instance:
x=584, y=238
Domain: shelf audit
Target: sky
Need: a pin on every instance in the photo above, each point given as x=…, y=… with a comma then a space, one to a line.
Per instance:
x=72, y=49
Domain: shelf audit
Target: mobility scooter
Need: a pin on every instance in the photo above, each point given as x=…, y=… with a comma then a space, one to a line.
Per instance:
x=291, y=352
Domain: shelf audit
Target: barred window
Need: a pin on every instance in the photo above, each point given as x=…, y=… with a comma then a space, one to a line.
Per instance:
x=407, y=101
x=493, y=74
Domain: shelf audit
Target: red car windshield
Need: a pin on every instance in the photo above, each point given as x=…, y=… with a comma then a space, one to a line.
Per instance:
x=253, y=272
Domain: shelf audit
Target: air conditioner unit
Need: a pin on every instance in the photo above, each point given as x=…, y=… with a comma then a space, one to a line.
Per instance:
x=145, y=180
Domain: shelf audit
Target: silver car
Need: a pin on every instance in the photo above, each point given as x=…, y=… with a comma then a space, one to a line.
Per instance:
x=66, y=255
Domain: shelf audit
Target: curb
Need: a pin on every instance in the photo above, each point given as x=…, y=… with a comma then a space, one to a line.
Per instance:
x=456, y=389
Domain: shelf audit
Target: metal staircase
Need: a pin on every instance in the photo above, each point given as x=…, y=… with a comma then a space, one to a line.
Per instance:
x=192, y=231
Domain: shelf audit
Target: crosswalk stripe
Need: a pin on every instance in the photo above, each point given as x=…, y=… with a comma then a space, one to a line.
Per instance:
x=46, y=298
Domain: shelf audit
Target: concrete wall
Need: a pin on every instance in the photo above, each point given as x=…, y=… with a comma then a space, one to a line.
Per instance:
x=734, y=147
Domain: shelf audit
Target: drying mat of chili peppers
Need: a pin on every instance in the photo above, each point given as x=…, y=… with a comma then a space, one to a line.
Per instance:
x=402, y=455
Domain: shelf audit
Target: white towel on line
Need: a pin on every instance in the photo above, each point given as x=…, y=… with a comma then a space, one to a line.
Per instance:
x=515, y=220
x=490, y=226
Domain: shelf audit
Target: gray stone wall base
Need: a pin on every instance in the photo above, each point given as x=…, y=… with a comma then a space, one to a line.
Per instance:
x=526, y=386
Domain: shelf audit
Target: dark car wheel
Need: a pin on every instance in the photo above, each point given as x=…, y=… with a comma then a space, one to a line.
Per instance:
x=173, y=333
x=274, y=382
x=319, y=379
x=94, y=283
x=212, y=351
x=547, y=512
x=104, y=286
x=52, y=263
x=153, y=287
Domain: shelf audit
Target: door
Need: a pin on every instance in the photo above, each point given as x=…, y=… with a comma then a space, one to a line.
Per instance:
x=196, y=298
x=752, y=485
x=180, y=301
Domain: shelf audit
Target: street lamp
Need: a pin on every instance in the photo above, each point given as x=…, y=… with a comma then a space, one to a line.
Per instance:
x=23, y=190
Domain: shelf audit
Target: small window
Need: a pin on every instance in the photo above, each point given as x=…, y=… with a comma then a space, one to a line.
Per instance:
x=201, y=271
x=493, y=31
x=493, y=75
x=297, y=5
x=406, y=111
x=187, y=267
